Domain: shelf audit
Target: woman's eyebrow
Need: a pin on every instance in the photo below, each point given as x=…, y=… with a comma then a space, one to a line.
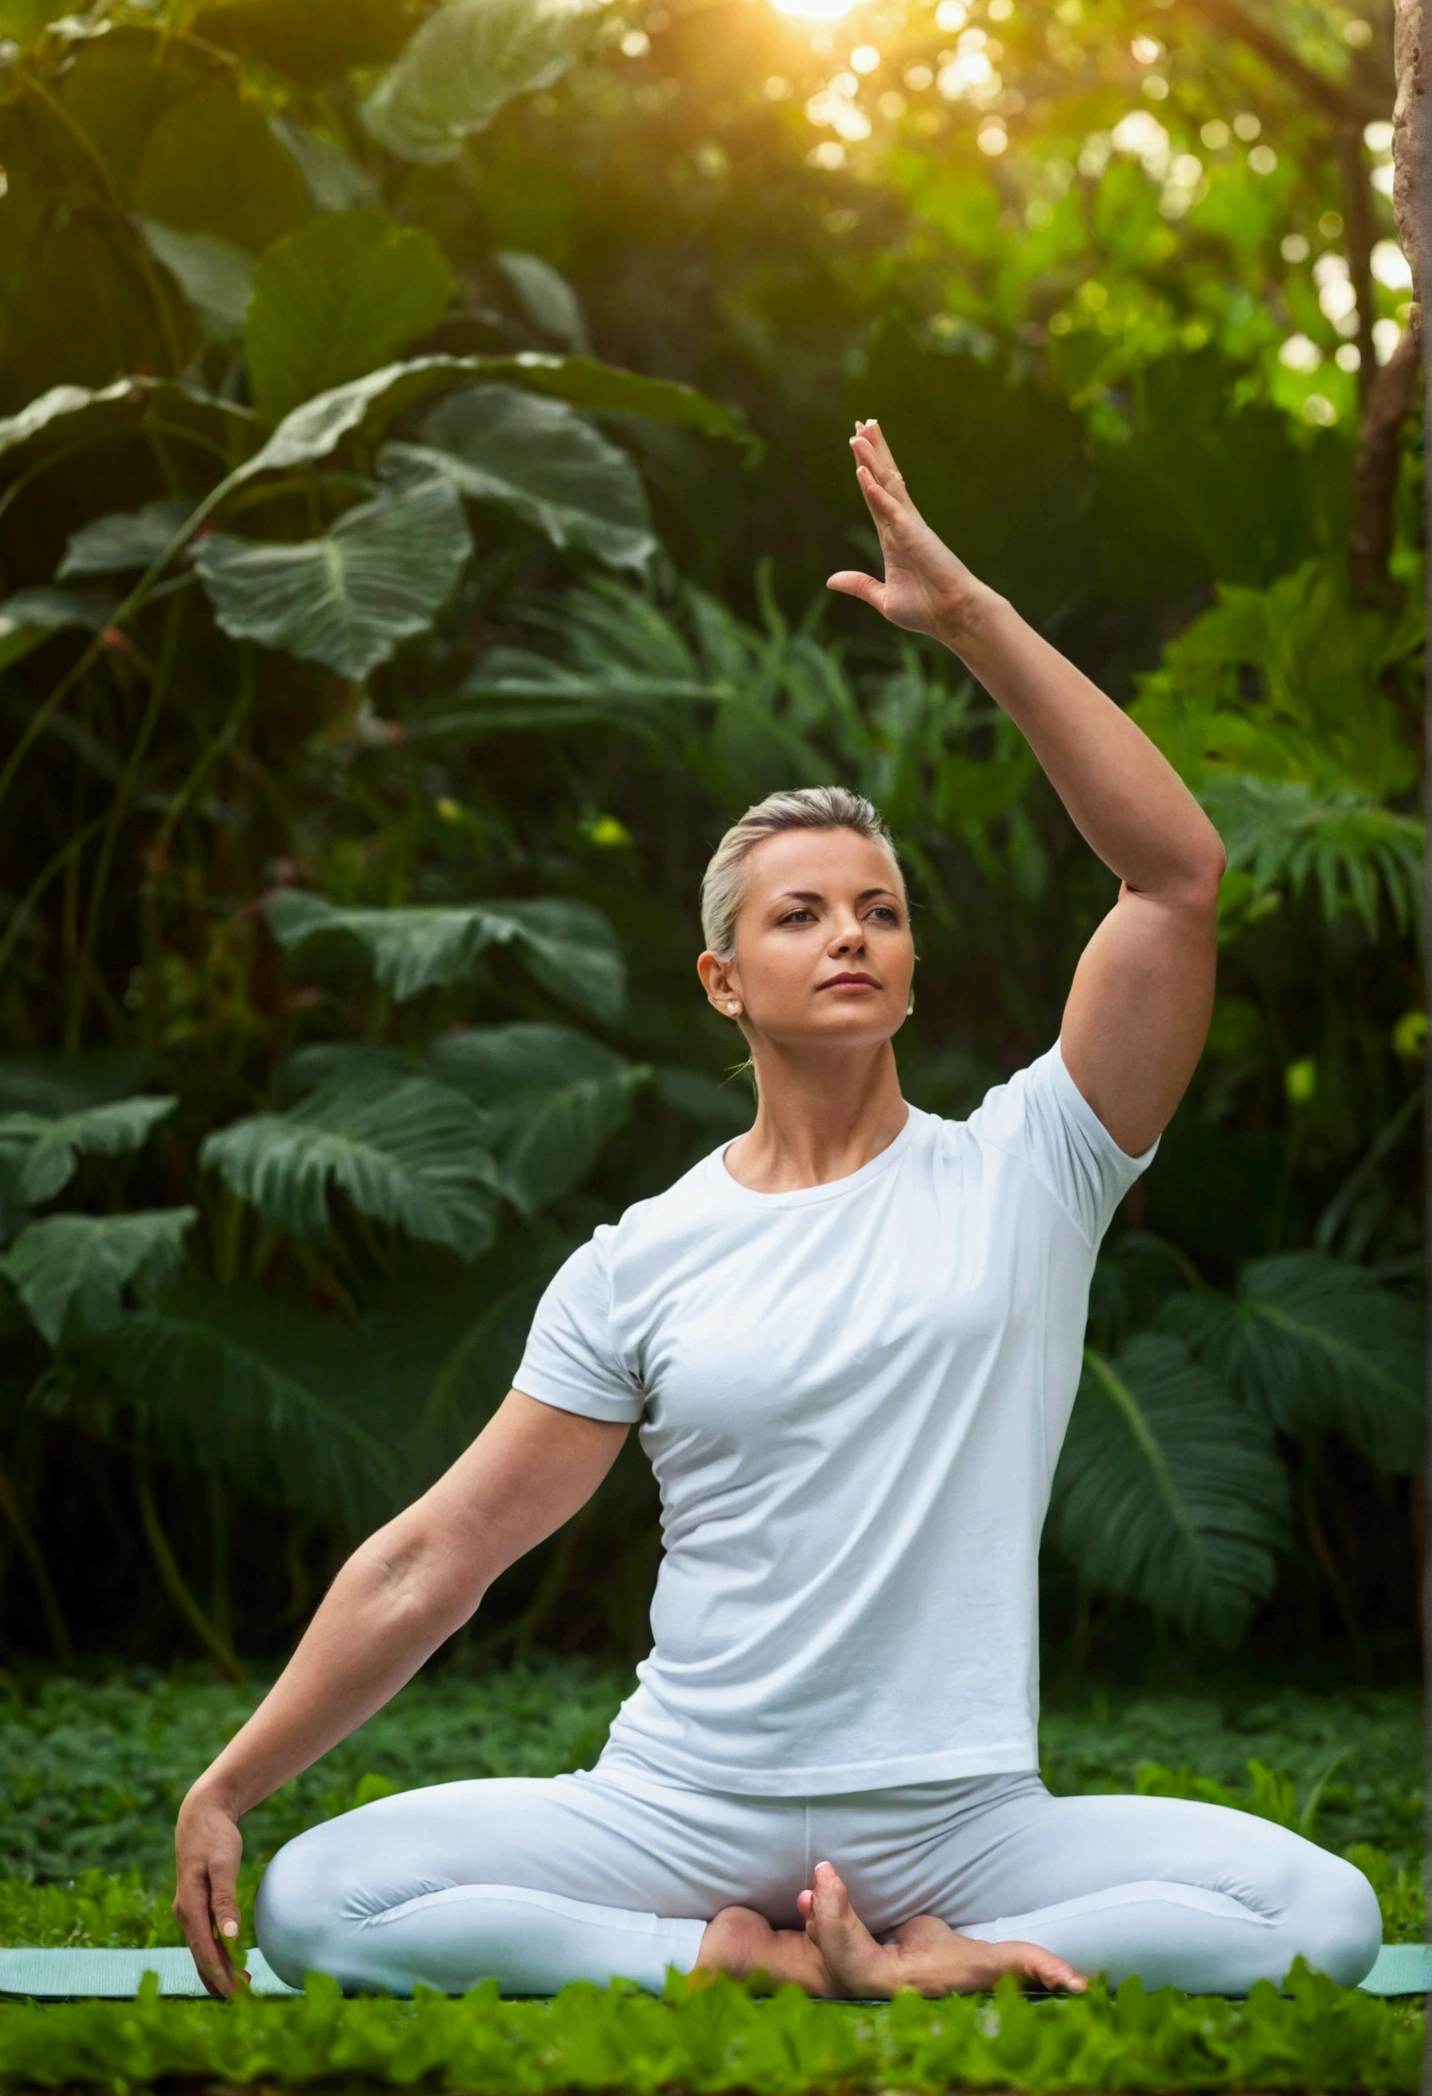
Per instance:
x=814, y=895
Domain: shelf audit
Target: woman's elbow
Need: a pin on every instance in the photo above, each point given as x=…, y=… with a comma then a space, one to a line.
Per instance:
x=418, y=1575
x=1201, y=874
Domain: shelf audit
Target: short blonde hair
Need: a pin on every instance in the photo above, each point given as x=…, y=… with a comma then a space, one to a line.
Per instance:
x=801, y=808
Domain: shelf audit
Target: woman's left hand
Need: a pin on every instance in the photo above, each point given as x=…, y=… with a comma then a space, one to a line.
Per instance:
x=926, y=589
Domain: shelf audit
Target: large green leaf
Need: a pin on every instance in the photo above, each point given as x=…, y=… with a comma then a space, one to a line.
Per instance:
x=369, y=403
x=314, y=41
x=346, y=599
x=546, y=299
x=1168, y=1490
x=337, y=298
x=540, y=459
x=36, y=418
x=124, y=539
x=281, y=1402
x=550, y=1098
x=408, y=1153
x=446, y=1348
x=30, y=616
x=71, y=1271
x=570, y=947
x=212, y=165
x=335, y=180
x=216, y=276
x=1313, y=1343
x=69, y=415
x=41, y=1152
x=465, y=62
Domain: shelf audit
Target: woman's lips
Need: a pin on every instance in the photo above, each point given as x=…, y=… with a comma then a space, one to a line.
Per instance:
x=849, y=982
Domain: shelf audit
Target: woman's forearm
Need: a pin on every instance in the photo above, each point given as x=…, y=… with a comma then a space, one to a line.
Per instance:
x=386, y=1612
x=1126, y=800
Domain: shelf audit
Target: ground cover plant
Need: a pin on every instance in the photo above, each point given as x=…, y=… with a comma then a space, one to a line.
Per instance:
x=721, y=2038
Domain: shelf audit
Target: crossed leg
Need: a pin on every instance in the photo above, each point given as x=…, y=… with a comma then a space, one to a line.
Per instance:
x=1014, y=1880
x=835, y=1954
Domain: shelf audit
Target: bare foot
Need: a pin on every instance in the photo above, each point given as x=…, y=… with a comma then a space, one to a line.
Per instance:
x=926, y=1953
x=743, y=1943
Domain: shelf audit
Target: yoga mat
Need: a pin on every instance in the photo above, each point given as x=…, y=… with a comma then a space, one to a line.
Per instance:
x=57, y=1975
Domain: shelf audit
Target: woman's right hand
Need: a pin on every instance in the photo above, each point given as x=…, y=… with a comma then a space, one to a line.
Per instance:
x=207, y=1849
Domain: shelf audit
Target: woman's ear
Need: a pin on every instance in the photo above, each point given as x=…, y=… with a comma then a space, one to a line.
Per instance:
x=721, y=993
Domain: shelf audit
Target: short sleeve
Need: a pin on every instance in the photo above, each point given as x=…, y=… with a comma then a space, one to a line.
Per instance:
x=1041, y=1116
x=569, y=1360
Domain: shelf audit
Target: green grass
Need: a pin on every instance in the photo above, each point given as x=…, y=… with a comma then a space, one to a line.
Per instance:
x=720, y=2038
x=91, y=1774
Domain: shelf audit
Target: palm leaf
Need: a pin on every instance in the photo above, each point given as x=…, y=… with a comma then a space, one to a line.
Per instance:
x=41, y=1152
x=1168, y=1490
x=283, y=1403
x=71, y=1271
x=551, y=1099
x=1352, y=852
x=408, y=1153
x=1313, y=1343
x=446, y=1350
x=570, y=947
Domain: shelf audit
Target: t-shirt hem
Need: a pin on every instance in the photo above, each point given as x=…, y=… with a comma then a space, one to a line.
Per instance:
x=661, y=1763
x=568, y=1397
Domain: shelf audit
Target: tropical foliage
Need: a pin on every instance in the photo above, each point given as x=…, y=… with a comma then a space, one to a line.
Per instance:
x=419, y=457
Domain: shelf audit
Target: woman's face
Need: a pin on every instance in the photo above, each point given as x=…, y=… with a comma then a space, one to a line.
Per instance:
x=823, y=945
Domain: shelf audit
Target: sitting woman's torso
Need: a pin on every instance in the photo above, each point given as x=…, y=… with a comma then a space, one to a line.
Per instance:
x=852, y=1397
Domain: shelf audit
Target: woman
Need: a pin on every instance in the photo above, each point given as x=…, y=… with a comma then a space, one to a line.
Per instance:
x=851, y=1341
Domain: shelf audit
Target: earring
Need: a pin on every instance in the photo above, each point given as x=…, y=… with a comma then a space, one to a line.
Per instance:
x=734, y=1009
x=911, y=1005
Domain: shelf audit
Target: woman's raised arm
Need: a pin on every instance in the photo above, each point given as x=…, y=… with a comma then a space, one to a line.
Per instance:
x=409, y=1586
x=1139, y=1005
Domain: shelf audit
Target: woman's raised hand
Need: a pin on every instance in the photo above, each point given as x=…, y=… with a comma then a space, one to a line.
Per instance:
x=207, y=1849
x=925, y=588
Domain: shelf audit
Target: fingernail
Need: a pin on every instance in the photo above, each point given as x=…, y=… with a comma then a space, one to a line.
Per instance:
x=230, y=1928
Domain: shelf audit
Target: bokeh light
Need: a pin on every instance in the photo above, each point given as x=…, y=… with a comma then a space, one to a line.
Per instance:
x=815, y=10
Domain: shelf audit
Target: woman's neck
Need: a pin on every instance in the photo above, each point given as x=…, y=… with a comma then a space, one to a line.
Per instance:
x=819, y=1118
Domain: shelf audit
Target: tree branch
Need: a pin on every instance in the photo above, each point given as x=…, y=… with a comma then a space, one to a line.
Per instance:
x=1345, y=105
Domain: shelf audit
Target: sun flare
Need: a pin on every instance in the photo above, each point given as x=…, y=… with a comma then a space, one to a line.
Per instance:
x=815, y=10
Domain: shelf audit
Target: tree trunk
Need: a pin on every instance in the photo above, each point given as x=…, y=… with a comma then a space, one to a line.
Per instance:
x=1409, y=135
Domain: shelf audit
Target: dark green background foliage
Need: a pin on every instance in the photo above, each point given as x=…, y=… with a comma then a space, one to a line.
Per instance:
x=421, y=452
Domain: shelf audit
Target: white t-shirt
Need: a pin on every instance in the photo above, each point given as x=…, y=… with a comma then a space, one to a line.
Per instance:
x=853, y=1397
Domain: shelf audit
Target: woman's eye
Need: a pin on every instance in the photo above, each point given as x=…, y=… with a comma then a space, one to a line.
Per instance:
x=886, y=913
x=797, y=917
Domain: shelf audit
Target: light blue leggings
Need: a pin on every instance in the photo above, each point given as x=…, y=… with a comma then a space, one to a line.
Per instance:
x=537, y=1882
